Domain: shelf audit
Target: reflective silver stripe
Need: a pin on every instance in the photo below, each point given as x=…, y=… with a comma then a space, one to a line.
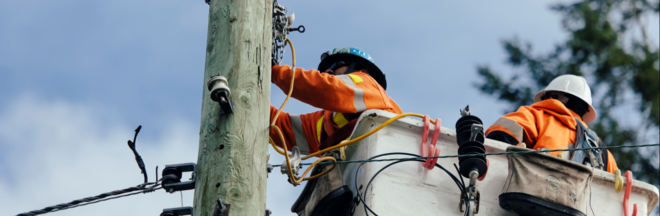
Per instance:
x=298, y=131
x=513, y=126
x=358, y=100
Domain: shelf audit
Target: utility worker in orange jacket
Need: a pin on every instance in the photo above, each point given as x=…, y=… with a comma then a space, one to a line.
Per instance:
x=556, y=120
x=346, y=83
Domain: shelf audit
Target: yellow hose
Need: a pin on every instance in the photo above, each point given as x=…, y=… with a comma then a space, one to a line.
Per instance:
x=342, y=144
x=279, y=132
x=348, y=142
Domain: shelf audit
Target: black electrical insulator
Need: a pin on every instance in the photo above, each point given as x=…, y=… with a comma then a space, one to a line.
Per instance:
x=171, y=178
x=172, y=171
x=470, y=138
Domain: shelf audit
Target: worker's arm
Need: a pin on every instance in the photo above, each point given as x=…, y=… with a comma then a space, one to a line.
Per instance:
x=515, y=127
x=351, y=93
x=298, y=130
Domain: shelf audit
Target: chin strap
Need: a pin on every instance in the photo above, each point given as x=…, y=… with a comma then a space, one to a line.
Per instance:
x=350, y=68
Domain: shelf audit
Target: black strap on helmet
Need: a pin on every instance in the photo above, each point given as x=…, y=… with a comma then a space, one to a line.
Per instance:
x=350, y=68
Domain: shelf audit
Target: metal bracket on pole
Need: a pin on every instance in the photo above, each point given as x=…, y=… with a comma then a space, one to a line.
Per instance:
x=172, y=177
x=269, y=169
x=221, y=209
x=180, y=211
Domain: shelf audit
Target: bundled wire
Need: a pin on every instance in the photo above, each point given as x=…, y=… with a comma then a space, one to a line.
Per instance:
x=142, y=188
x=362, y=198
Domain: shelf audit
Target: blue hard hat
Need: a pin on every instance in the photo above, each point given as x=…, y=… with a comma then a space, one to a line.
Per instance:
x=354, y=55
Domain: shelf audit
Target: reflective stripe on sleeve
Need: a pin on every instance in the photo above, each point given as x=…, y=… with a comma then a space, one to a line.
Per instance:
x=301, y=141
x=358, y=100
x=512, y=126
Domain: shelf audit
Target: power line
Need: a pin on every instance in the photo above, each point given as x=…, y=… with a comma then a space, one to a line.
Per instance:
x=109, y=198
x=94, y=199
x=486, y=154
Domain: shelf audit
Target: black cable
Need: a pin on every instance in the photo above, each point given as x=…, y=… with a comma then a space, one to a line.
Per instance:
x=356, y=174
x=138, y=158
x=363, y=199
x=94, y=199
x=463, y=192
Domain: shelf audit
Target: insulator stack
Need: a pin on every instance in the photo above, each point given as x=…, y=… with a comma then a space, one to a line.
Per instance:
x=470, y=138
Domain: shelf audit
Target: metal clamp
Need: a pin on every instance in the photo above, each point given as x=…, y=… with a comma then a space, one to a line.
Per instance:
x=295, y=161
x=475, y=130
x=219, y=88
x=474, y=196
x=221, y=209
x=172, y=174
x=180, y=211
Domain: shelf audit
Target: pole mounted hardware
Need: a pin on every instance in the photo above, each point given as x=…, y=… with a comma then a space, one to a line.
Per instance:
x=171, y=180
x=221, y=209
x=138, y=159
x=281, y=28
x=180, y=211
x=295, y=161
x=268, y=212
x=269, y=169
x=220, y=93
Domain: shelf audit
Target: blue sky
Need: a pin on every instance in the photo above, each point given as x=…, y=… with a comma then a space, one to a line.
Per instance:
x=77, y=77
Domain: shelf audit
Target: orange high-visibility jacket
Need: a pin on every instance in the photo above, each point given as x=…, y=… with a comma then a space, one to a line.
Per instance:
x=544, y=124
x=336, y=95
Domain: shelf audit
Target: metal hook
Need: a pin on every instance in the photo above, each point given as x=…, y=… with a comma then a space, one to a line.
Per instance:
x=301, y=29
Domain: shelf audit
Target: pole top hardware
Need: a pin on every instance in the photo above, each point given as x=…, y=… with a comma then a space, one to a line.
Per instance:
x=219, y=88
x=180, y=211
x=281, y=28
x=172, y=177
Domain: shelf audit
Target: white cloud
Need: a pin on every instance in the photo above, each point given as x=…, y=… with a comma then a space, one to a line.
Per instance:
x=55, y=152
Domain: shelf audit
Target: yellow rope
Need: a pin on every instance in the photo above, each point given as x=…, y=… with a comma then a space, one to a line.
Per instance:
x=348, y=142
x=279, y=132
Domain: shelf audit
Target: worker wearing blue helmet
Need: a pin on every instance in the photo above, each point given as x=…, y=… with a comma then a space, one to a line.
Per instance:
x=346, y=83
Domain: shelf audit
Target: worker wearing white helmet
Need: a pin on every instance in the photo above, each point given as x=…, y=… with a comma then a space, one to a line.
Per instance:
x=557, y=120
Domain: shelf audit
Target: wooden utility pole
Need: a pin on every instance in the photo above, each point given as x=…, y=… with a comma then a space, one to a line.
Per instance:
x=233, y=150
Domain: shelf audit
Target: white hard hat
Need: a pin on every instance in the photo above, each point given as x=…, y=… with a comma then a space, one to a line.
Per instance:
x=574, y=85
